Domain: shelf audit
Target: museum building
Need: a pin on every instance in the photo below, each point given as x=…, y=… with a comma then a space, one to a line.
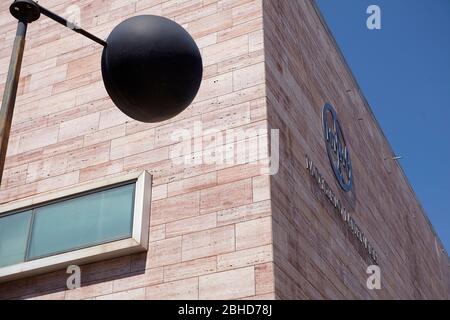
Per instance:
x=276, y=183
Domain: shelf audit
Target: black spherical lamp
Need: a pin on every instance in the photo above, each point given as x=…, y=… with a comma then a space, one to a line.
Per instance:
x=152, y=68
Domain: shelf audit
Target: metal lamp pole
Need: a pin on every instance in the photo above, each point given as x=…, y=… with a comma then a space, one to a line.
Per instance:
x=26, y=11
x=151, y=67
x=9, y=97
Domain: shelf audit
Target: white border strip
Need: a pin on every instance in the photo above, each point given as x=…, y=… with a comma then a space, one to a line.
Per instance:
x=137, y=243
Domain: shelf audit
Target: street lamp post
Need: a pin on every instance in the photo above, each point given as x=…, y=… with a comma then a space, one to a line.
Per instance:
x=151, y=67
x=26, y=13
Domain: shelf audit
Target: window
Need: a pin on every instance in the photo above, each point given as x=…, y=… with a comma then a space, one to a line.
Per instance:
x=92, y=222
x=66, y=225
x=13, y=237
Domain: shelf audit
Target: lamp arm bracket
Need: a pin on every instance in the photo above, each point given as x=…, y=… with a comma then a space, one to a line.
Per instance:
x=29, y=11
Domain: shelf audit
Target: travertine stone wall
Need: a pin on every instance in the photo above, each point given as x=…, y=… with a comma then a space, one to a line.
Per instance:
x=218, y=231
x=315, y=256
x=210, y=234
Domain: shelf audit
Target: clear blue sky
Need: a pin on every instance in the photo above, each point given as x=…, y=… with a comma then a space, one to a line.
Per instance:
x=404, y=72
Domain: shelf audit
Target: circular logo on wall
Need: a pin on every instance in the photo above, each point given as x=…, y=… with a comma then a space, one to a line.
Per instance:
x=337, y=148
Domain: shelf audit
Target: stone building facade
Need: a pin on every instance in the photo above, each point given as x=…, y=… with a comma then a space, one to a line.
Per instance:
x=219, y=229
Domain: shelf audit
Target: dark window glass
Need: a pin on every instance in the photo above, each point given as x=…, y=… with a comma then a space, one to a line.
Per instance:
x=67, y=225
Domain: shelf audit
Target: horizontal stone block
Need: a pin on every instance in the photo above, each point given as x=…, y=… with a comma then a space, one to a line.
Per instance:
x=190, y=225
x=136, y=294
x=232, y=284
x=159, y=192
x=142, y=279
x=211, y=24
x=249, y=76
x=236, y=173
x=225, y=50
x=254, y=233
x=113, y=117
x=132, y=144
x=208, y=243
x=90, y=291
x=190, y=269
x=58, y=182
x=244, y=213
x=265, y=278
x=192, y=184
x=84, y=65
x=164, y=252
x=141, y=160
x=38, y=138
x=46, y=168
x=175, y=208
x=157, y=232
x=88, y=156
x=78, y=127
x=177, y=290
x=261, y=188
x=245, y=258
x=225, y=196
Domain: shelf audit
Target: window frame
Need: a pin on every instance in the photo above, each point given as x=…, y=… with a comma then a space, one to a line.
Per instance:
x=138, y=242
